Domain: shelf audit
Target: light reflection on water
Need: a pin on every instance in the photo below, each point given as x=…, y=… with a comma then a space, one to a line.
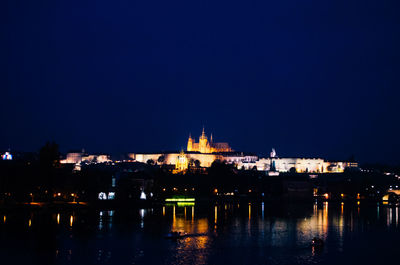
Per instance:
x=215, y=215
x=258, y=233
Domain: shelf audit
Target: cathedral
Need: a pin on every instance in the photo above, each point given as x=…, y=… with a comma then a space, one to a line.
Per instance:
x=205, y=146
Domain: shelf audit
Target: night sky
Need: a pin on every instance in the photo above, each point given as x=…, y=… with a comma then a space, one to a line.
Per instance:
x=309, y=78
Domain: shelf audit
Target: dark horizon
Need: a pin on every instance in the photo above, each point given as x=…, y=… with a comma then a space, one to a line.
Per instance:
x=313, y=79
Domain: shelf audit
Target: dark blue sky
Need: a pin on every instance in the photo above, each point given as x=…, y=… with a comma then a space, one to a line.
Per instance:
x=310, y=78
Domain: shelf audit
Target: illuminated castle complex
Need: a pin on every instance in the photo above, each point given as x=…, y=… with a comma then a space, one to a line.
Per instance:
x=205, y=146
x=205, y=152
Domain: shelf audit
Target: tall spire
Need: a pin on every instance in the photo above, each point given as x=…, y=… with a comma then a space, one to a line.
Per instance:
x=203, y=133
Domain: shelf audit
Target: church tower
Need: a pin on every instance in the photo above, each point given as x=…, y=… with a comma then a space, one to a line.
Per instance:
x=203, y=143
x=190, y=144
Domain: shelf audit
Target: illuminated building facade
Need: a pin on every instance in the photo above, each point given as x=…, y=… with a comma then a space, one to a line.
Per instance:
x=172, y=158
x=72, y=158
x=79, y=158
x=182, y=163
x=299, y=165
x=205, y=146
x=206, y=152
x=239, y=158
x=249, y=161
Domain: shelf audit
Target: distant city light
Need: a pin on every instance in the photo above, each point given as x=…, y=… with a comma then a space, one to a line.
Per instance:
x=102, y=196
x=111, y=195
x=7, y=156
x=106, y=196
x=143, y=196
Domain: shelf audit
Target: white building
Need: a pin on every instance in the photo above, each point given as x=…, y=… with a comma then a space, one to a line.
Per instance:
x=250, y=161
x=79, y=158
x=237, y=158
x=171, y=158
x=301, y=165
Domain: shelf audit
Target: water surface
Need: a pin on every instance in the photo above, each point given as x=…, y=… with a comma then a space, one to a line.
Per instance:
x=245, y=233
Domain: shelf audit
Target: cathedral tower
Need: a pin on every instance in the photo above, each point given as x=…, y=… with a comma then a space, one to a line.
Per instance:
x=203, y=143
x=190, y=144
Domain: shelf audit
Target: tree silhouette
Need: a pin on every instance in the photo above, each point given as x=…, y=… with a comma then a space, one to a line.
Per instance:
x=49, y=160
x=191, y=162
x=49, y=156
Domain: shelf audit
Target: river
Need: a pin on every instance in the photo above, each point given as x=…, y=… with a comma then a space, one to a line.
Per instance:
x=235, y=233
